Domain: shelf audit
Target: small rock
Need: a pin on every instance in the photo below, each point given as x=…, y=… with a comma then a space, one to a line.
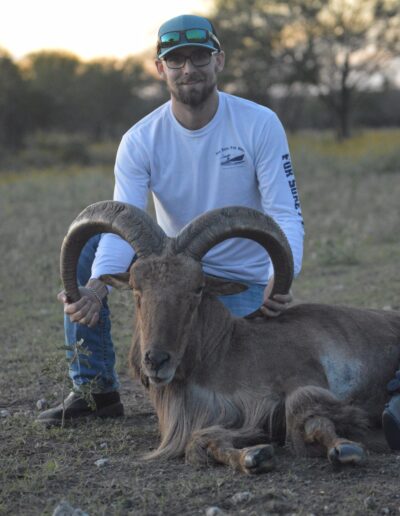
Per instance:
x=369, y=502
x=103, y=445
x=385, y=510
x=242, y=497
x=101, y=462
x=387, y=307
x=127, y=503
x=42, y=404
x=288, y=493
x=5, y=413
x=277, y=507
x=65, y=509
x=214, y=511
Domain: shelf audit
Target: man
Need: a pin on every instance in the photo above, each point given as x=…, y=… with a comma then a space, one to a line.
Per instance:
x=202, y=150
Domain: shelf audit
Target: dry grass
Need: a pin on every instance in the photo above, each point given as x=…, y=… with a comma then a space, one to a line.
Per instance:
x=350, y=202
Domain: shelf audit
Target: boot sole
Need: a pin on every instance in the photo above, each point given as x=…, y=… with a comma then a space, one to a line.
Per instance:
x=111, y=411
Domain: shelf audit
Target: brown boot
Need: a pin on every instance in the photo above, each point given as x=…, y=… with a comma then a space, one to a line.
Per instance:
x=75, y=407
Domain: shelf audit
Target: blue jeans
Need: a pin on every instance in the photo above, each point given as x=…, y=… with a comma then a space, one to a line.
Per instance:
x=97, y=364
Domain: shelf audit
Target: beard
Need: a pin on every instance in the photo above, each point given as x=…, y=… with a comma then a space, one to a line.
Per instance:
x=195, y=96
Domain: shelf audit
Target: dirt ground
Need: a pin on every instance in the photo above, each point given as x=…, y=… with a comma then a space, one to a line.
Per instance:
x=351, y=257
x=49, y=466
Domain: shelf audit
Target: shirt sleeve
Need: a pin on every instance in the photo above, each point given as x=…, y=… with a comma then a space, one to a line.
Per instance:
x=132, y=180
x=277, y=184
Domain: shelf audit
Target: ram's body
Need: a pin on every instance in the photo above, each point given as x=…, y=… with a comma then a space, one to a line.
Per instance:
x=264, y=374
x=314, y=377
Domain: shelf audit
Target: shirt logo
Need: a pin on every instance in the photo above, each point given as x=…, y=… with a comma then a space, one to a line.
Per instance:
x=231, y=156
x=235, y=160
x=287, y=168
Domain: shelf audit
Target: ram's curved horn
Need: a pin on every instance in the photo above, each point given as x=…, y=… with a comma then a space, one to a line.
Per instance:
x=207, y=230
x=131, y=223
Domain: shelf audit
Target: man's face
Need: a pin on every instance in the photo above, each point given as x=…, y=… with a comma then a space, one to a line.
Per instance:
x=191, y=84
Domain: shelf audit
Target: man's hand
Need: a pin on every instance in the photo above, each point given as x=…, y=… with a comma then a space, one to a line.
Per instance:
x=87, y=309
x=278, y=304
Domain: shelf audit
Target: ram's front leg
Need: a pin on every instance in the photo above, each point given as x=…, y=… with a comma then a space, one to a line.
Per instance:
x=251, y=460
x=220, y=445
x=314, y=417
x=339, y=451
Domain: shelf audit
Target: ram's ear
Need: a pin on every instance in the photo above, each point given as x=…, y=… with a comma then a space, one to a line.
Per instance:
x=223, y=287
x=119, y=280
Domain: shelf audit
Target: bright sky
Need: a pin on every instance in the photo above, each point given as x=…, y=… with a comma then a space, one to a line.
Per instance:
x=88, y=28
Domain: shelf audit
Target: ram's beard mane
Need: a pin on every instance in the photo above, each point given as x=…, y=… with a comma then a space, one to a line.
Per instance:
x=186, y=409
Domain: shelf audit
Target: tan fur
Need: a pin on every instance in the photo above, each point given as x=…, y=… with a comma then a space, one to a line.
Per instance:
x=315, y=376
x=231, y=383
x=187, y=411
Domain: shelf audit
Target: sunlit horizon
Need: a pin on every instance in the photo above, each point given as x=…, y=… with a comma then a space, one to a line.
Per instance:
x=87, y=28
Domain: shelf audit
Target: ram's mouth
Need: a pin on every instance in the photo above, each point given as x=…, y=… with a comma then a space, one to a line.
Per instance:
x=163, y=376
x=159, y=381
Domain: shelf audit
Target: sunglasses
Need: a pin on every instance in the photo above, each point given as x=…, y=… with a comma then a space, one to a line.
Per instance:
x=198, y=58
x=170, y=39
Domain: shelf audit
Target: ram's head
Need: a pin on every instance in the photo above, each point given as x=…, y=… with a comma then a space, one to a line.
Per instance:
x=168, y=283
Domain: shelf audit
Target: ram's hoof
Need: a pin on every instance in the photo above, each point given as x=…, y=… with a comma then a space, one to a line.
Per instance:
x=346, y=453
x=258, y=459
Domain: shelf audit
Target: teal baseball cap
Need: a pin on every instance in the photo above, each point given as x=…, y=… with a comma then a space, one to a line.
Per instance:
x=186, y=31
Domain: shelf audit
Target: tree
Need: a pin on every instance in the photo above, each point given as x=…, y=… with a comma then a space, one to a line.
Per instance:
x=13, y=91
x=100, y=98
x=248, y=30
x=333, y=48
x=347, y=44
x=52, y=77
x=112, y=95
x=102, y=94
x=146, y=91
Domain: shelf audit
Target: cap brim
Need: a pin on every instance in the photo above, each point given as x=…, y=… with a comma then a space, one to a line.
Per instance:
x=166, y=51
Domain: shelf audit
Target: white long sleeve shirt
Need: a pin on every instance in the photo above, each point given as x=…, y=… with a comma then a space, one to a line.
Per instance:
x=241, y=157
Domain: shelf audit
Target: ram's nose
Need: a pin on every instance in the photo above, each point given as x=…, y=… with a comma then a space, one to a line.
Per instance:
x=156, y=359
